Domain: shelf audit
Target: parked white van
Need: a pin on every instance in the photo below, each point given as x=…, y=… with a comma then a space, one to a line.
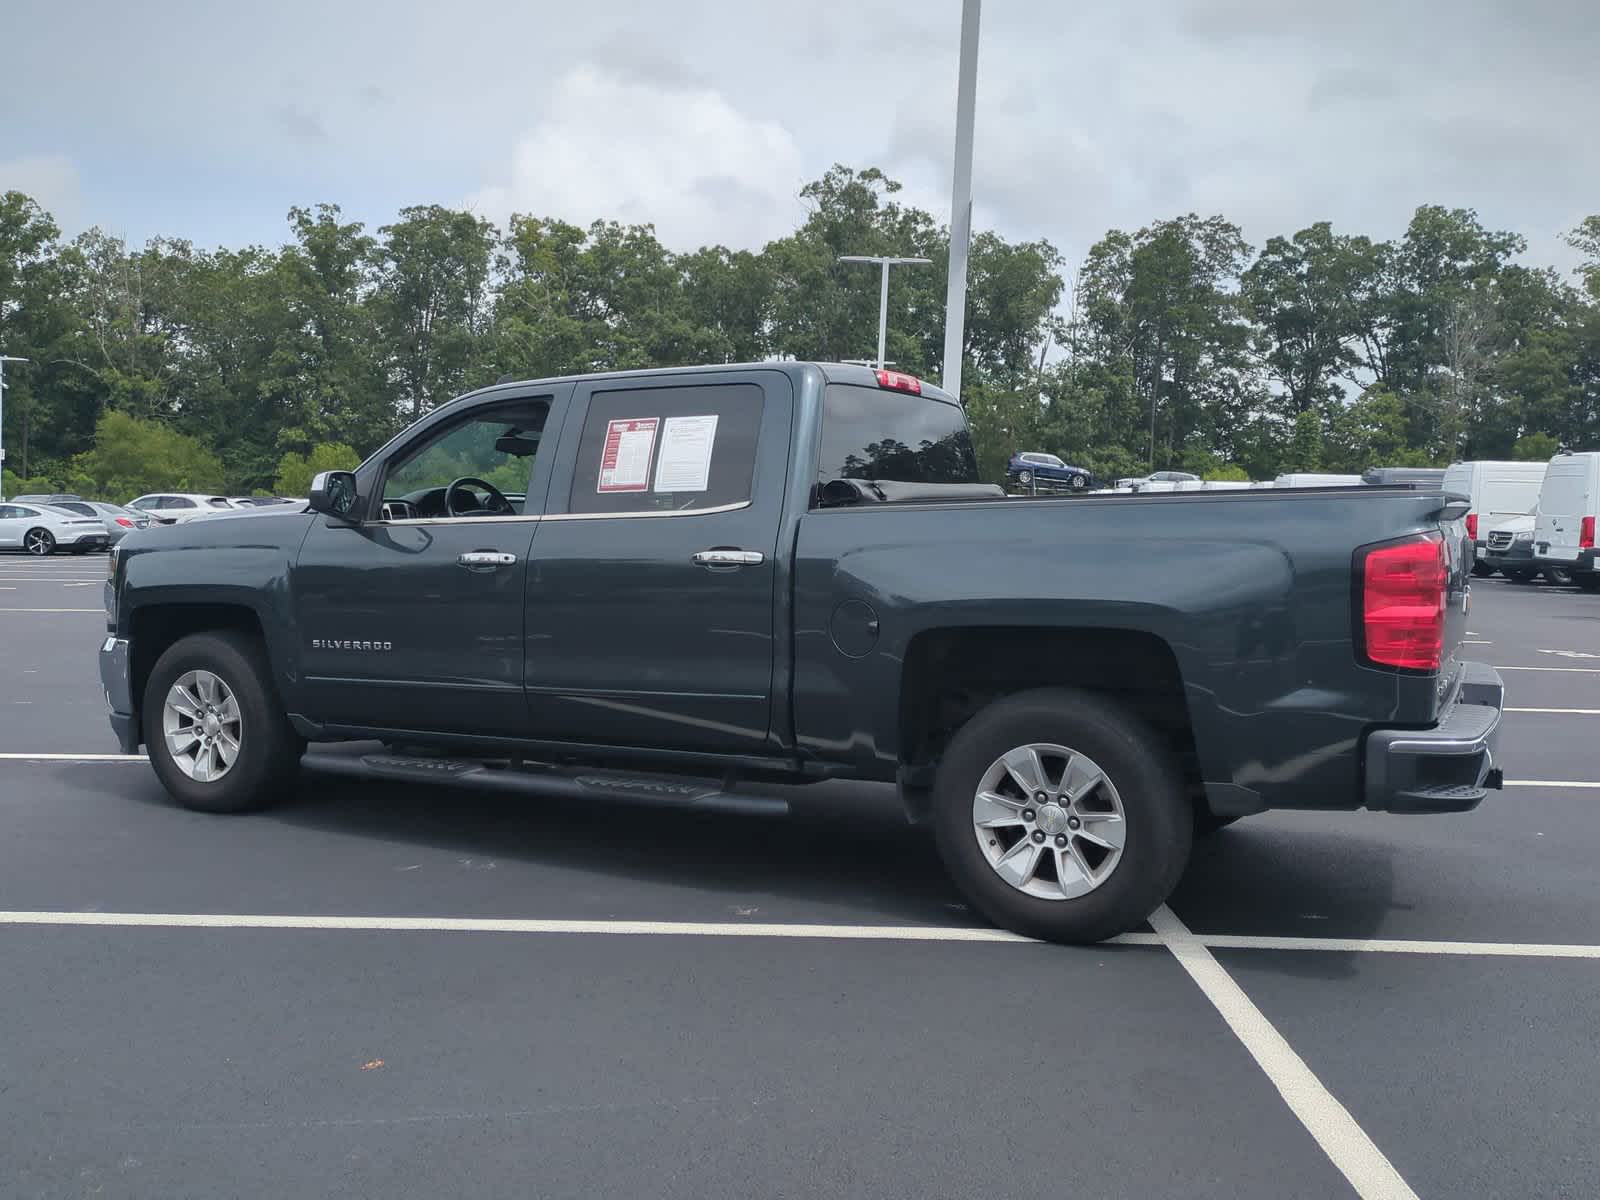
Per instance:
x=1308, y=479
x=1499, y=492
x=1563, y=528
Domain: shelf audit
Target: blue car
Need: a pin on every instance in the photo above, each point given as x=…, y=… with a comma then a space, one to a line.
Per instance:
x=1046, y=472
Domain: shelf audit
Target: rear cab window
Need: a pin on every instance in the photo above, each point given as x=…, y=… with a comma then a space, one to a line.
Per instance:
x=877, y=433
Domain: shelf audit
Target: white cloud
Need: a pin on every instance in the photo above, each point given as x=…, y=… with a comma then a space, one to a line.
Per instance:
x=52, y=180
x=671, y=152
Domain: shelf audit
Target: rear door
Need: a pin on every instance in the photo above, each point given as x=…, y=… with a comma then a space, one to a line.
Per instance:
x=650, y=601
x=1563, y=503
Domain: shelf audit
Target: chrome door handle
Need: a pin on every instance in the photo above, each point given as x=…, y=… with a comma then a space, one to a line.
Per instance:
x=485, y=558
x=729, y=558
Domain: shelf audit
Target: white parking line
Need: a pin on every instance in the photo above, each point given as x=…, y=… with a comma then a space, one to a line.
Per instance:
x=892, y=933
x=1560, y=670
x=1586, y=712
x=1229, y=941
x=17, y=756
x=915, y=933
x=1551, y=783
x=54, y=610
x=1345, y=1143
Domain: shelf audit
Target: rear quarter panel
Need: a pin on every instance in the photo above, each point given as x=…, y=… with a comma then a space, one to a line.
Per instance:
x=1252, y=592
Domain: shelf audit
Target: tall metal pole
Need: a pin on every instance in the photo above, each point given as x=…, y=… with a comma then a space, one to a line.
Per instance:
x=955, y=302
x=4, y=359
x=883, y=316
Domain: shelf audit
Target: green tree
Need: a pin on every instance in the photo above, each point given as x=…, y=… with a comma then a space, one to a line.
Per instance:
x=130, y=456
x=36, y=323
x=1306, y=293
x=327, y=369
x=1164, y=301
x=1586, y=239
x=1305, y=450
x=1535, y=447
x=296, y=471
x=432, y=304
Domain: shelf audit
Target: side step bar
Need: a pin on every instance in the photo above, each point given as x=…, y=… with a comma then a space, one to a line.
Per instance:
x=542, y=779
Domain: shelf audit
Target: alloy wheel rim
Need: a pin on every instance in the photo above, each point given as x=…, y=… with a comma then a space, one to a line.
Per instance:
x=202, y=725
x=1049, y=821
x=38, y=542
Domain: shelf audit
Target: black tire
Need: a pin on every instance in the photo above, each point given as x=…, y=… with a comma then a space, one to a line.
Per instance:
x=1024, y=477
x=1159, y=819
x=1079, y=482
x=40, y=543
x=1522, y=575
x=269, y=750
x=1482, y=570
x=1587, y=583
x=1558, y=576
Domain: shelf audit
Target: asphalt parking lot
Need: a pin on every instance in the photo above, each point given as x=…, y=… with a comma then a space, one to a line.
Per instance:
x=412, y=992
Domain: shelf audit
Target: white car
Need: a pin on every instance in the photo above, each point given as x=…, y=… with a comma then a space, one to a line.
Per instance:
x=39, y=530
x=174, y=508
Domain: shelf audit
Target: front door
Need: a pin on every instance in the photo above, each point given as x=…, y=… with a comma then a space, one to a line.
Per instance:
x=650, y=600
x=413, y=618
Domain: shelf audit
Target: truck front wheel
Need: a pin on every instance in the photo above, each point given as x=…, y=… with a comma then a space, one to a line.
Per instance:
x=1061, y=816
x=217, y=735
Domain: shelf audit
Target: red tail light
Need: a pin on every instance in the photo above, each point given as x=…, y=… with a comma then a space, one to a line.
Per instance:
x=1403, y=590
x=1586, y=534
x=1472, y=525
x=899, y=382
x=124, y=522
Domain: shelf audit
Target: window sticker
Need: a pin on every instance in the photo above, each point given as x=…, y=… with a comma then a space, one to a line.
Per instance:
x=625, y=460
x=685, y=462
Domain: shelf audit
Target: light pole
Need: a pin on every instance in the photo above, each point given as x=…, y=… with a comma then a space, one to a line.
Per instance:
x=4, y=359
x=885, y=261
x=955, y=298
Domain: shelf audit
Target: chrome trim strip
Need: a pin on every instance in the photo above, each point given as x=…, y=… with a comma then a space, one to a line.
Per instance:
x=621, y=516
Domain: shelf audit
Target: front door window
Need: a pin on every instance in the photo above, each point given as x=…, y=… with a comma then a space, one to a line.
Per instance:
x=476, y=467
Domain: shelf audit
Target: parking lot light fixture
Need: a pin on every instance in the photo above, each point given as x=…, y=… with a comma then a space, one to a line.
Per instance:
x=885, y=261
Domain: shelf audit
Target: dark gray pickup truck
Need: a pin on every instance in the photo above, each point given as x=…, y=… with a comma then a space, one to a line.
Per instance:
x=648, y=587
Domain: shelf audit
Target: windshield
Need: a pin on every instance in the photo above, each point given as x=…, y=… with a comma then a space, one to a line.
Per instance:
x=874, y=433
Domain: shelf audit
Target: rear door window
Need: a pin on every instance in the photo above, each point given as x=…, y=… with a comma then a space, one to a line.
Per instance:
x=662, y=449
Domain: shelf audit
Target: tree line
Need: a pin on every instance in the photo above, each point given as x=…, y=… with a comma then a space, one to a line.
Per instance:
x=1178, y=345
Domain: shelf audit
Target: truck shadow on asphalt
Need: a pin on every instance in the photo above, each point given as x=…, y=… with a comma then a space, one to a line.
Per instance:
x=844, y=854
x=1291, y=883
x=840, y=861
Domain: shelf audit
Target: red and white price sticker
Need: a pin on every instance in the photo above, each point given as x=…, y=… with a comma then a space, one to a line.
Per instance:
x=625, y=459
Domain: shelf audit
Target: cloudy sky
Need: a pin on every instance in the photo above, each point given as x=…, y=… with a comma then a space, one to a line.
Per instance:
x=208, y=120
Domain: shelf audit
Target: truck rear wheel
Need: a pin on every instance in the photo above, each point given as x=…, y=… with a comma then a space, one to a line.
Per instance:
x=216, y=732
x=1061, y=816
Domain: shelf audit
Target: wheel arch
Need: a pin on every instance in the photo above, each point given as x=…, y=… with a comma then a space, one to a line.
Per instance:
x=155, y=628
x=950, y=674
